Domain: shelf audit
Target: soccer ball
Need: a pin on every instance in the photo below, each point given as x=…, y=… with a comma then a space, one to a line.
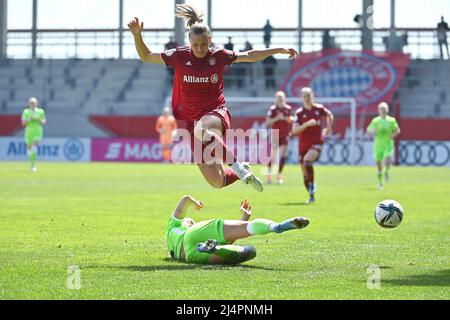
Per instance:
x=389, y=213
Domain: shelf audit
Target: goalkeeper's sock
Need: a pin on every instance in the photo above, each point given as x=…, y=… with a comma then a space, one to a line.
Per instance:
x=32, y=155
x=380, y=179
x=260, y=226
x=310, y=174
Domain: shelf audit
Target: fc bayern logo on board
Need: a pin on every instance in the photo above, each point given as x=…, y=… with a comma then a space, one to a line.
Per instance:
x=215, y=78
x=358, y=75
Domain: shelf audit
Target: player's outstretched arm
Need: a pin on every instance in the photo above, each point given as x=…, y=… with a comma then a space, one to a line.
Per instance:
x=185, y=203
x=246, y=210
x=143, y=51
x=258, y=55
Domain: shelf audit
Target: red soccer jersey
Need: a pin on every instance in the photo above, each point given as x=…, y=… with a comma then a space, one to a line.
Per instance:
x=312, y=135
x=198, y=83
x=284, y=126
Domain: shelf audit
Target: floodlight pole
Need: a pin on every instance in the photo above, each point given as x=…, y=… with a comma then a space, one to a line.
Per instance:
x=394, y=42
x=180, y=28
x=121, y=29
x=367, y=25
x=3, y=28
x=210, y=14
x=392, y=17
x=300, y=24
x=34, y=30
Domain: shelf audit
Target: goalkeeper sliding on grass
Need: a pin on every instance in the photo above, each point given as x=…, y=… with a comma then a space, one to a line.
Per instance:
x=210, y=241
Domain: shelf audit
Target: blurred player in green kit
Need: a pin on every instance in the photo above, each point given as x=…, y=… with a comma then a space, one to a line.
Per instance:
x=33, y=118
x=384, y=129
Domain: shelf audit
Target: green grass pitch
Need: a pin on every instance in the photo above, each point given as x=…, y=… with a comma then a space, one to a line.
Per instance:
x=110, y=219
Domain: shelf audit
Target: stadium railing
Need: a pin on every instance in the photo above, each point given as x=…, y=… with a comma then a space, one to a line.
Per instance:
x=104, y=43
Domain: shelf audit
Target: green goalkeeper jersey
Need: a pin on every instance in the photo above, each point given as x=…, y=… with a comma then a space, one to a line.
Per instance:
x=34, y=118
x=174, y=234
x=384, y=130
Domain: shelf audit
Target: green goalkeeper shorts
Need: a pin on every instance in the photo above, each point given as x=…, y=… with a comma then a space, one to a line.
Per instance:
x=201, y=232
x=32, y=136
x=381, y=153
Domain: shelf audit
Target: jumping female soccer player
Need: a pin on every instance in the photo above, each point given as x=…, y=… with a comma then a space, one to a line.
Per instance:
x=198, y=93
x=33, y=118
x=308, y=126
x=210, y=241
x=279, y=118
x=384, y=128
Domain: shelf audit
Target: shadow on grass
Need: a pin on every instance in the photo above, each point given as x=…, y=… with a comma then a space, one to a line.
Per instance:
x=439, y=278
x=181, y=266
x=292, y=204
x=373, y=189
x=177, y=266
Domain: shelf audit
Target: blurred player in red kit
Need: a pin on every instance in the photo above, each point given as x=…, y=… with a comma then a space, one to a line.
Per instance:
x=279, y=117
x=308, y=126
x=198, y=97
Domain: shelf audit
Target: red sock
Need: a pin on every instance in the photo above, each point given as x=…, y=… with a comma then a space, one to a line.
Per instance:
x=230, y=177
x=310, y=172
x=212, y=139
x=306, y=182
x=282, y=163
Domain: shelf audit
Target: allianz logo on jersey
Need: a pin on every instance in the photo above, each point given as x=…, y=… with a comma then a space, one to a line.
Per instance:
x=193, y=79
